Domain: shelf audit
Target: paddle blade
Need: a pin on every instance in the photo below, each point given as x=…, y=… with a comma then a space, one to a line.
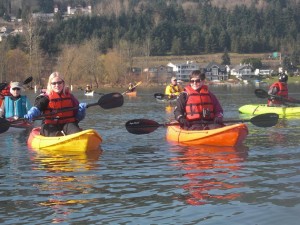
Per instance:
x=2, y=86
x=4, y=125
x=28, y=80
x=159, y=96
x=265, y=120
x=261, y=93
x=111, y=100
x=141, y=126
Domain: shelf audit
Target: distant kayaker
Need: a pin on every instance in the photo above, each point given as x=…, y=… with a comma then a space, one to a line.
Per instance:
x=56, y=98
x=279, y=89
x=131, y=87
x=173, y=89
x=14, y=104
x=88, y=89
x=197, y=105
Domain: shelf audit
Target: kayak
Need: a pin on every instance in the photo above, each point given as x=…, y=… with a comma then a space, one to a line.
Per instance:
x=91, y=93
x=132, y=94
x=230, y=135
x=83, y=141
x=257, y=109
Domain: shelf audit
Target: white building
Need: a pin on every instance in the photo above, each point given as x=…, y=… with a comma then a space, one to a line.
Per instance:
x=183, y=70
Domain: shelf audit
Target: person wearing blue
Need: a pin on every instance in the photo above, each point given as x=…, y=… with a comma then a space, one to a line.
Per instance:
x=15, y=105
x=53, y=106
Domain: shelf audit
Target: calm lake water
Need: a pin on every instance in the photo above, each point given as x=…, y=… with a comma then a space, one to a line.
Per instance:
x=143, y=179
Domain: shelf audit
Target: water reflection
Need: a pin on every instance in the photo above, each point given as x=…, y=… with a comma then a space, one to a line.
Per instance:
x=65, y=181
x=211, y=172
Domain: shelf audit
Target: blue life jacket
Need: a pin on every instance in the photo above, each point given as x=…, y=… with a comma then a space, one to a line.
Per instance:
x=15, y=108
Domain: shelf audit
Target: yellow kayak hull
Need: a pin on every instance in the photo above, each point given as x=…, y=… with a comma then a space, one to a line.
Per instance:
x=231, y=135
x=84, y=141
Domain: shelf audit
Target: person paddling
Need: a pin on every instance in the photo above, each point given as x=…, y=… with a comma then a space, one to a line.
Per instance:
x=56, y=98
x=14, y=104
x=279, y=89
x=173, y=89
x=197, y=107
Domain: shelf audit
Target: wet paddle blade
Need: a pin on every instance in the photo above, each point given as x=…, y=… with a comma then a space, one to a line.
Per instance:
x=159, y=96
x=261, y=93
x=111, y=100
x=265, y=120
x=4, y=125
x=141, y=126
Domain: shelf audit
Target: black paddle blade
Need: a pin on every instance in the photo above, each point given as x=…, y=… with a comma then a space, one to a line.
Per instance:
x=4, y=125
x=141, y=126
x=159, y=96
x=265, y=120
x=261, y=93
x=111, y=100
x=28, y=80
x=2, y=86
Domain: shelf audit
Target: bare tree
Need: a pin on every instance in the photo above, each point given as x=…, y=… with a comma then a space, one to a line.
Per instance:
x=114, y=67
x=3, y=53
x=17, y=64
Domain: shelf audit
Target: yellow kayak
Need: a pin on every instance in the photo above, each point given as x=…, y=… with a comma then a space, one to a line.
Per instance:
x=230, y=135
x=84, y=141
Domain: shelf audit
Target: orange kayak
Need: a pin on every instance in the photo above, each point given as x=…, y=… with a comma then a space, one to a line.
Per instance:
x=231, y=135
x=133, y=93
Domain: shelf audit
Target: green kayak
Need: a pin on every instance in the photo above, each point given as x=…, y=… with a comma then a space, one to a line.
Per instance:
x=257, y=109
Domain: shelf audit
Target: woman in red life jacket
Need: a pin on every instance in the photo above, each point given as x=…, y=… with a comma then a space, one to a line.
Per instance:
x=57, y=97
x=280, y=89
x=197, y=105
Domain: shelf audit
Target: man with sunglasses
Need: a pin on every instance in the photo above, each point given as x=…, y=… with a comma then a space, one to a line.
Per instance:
x=197, y=108
x=15, y=105
x=173, y=89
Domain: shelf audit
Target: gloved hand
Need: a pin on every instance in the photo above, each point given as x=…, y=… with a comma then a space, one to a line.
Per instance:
x=81, y=111
x=184, y=122
x=33, y=112
x=218, y=119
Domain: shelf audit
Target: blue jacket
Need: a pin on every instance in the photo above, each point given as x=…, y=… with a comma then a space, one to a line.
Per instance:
x=17, y=107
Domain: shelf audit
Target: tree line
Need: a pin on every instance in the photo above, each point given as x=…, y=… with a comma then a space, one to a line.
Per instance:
x=157, y=28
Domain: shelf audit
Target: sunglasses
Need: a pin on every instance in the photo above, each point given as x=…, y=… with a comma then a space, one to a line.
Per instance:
x=197, y=81
x=58, y=82
x=175, y=80
x=16, y=89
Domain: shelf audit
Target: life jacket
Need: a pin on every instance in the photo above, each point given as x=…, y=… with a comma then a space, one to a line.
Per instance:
x=283, y=92
x=6, y=91
x=199, y=105
x=58, y=102
x=15, y=107
x=175, y=89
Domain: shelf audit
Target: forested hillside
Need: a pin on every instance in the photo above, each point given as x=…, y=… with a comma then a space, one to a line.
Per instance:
x=102, y=47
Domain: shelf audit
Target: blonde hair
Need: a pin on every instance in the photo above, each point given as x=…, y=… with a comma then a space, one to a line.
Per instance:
x=51, y=77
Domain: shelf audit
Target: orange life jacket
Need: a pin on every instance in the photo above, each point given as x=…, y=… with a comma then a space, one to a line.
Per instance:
x=283, y=92
x=57, y=102
x=199, y=104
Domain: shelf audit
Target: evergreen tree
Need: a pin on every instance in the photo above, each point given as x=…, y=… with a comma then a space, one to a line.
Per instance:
x=225, y=58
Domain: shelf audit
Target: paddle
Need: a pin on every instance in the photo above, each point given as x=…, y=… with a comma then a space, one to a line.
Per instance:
x=26, y=81
x=161, y=96
x=145, y=126
x=260, y=93
x=107, y=101
x=129, y=90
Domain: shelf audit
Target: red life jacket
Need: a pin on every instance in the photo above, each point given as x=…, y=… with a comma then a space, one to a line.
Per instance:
x=283, y=92
x=6, y=91
x=57, y=102
x=199, y=104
